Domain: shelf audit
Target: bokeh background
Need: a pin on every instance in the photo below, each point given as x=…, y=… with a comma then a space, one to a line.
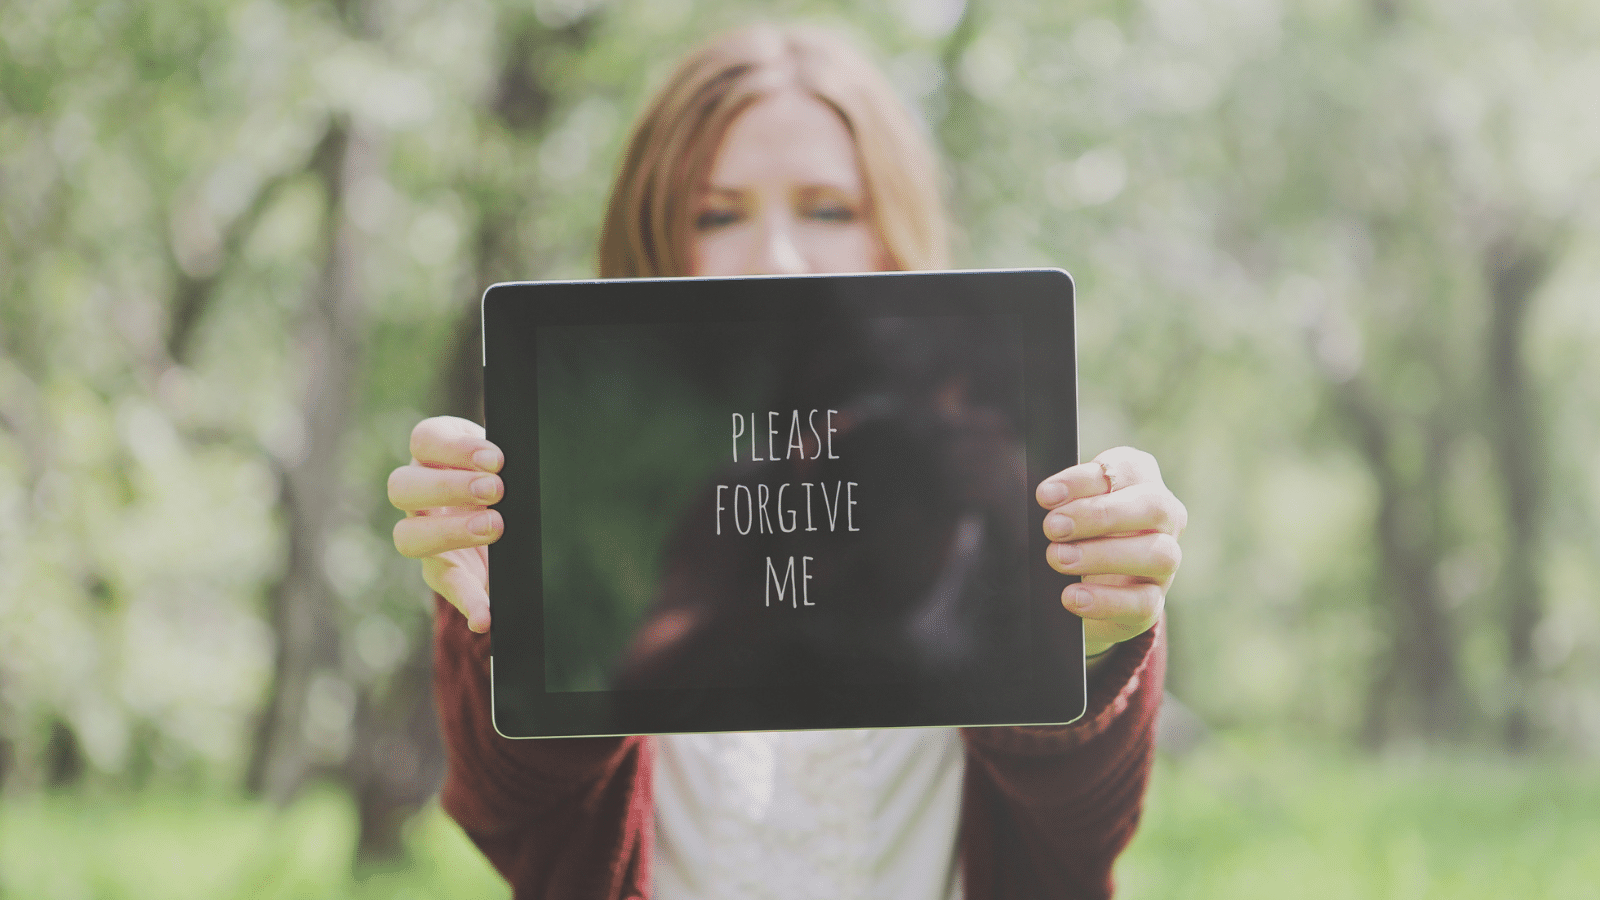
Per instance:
x=1336, y=264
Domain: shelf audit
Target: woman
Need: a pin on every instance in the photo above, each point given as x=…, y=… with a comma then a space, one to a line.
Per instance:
x=780, y=150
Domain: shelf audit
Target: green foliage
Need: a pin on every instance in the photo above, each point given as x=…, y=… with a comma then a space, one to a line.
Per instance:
x=1275, y=211
x=1272, y=209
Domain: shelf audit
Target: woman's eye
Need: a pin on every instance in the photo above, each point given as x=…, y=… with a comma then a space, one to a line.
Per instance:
x=835, y=213
x=715, y=218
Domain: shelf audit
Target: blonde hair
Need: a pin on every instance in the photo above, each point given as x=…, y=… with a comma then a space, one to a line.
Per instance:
x=649, y=218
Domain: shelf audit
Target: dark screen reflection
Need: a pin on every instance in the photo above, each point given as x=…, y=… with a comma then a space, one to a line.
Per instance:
x=866, y=516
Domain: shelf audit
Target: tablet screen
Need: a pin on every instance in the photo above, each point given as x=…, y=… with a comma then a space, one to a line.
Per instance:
x=758, y=503
x=741, y=497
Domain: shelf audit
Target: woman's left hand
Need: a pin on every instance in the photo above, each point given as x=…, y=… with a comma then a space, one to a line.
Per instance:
x=1114, y=522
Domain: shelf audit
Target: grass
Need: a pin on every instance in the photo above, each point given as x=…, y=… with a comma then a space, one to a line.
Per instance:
x=1249, y=822
x=1233, y=820
x=176, y=847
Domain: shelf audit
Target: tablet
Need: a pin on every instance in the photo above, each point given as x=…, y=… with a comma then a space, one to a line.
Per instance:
x=783, y=502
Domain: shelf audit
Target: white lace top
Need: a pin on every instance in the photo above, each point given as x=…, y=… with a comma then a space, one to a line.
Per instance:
x=829, y=815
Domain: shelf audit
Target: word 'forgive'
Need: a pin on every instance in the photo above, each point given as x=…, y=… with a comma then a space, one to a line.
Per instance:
x=756, y=508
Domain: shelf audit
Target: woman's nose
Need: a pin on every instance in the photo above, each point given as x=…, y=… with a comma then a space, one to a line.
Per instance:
x=778, y=252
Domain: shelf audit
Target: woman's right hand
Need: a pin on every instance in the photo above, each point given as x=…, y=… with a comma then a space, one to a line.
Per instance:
x=445, y=493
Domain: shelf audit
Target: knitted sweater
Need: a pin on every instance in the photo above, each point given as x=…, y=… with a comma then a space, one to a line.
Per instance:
x=1045, y=810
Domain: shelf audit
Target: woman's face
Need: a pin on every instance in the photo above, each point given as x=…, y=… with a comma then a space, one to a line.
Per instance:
x=785, y=196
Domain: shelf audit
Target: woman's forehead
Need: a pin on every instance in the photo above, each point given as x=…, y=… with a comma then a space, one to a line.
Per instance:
x=789, y=136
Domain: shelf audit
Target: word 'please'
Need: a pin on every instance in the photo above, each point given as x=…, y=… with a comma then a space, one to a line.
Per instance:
x=818, y=422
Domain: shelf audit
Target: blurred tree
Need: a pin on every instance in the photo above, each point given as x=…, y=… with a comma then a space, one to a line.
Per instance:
x=304, y=602
x=396, y=761
x=1516, y=266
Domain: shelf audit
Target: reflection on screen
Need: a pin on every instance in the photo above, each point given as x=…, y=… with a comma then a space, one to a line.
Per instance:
x=761, y=503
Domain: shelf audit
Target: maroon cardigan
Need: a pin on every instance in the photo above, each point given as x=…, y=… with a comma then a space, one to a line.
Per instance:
x=1045, y=810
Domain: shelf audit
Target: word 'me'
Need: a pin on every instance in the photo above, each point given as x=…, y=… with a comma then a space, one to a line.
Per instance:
x=795, y=447
x=798, y=595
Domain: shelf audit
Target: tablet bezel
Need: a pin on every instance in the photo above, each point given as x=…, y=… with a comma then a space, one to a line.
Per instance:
x=1049, y=688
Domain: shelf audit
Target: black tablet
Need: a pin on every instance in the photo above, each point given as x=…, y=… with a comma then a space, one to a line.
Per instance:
x=747, y=504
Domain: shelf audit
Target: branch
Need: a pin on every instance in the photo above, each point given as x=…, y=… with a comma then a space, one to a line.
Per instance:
x=193, y=295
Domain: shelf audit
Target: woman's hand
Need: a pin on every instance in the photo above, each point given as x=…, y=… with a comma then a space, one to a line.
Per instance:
x=446, y=492
x=1114, y=522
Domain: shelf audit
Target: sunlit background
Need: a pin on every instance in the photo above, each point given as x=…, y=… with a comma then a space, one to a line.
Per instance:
x=1337, y=265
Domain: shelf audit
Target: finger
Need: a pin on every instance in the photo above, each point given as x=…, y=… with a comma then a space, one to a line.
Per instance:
x=422, y=536
x=1112, y=470
x=1153, y=555
x=1142, y=507
x=1127, y=466
x=449, y=442
x=460, y=587
x=1114, y=612
x=1082, y=480
x=414, y=488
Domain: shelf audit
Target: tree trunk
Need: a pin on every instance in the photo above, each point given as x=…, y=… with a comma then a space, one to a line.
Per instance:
x=1515, y=271
x=308, y=715
x=1418, y=681
x=396, y=760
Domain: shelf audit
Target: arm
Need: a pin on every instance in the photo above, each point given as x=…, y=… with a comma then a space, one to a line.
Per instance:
x=557, y=818
x=1046, y=811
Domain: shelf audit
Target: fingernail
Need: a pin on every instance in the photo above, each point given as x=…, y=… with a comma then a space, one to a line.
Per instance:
x=481, y=524
x=485, y=488
x=1052, y=493
x=1058, y=526
x=1067, y=554
x=487, y=460
x=1075, y=598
